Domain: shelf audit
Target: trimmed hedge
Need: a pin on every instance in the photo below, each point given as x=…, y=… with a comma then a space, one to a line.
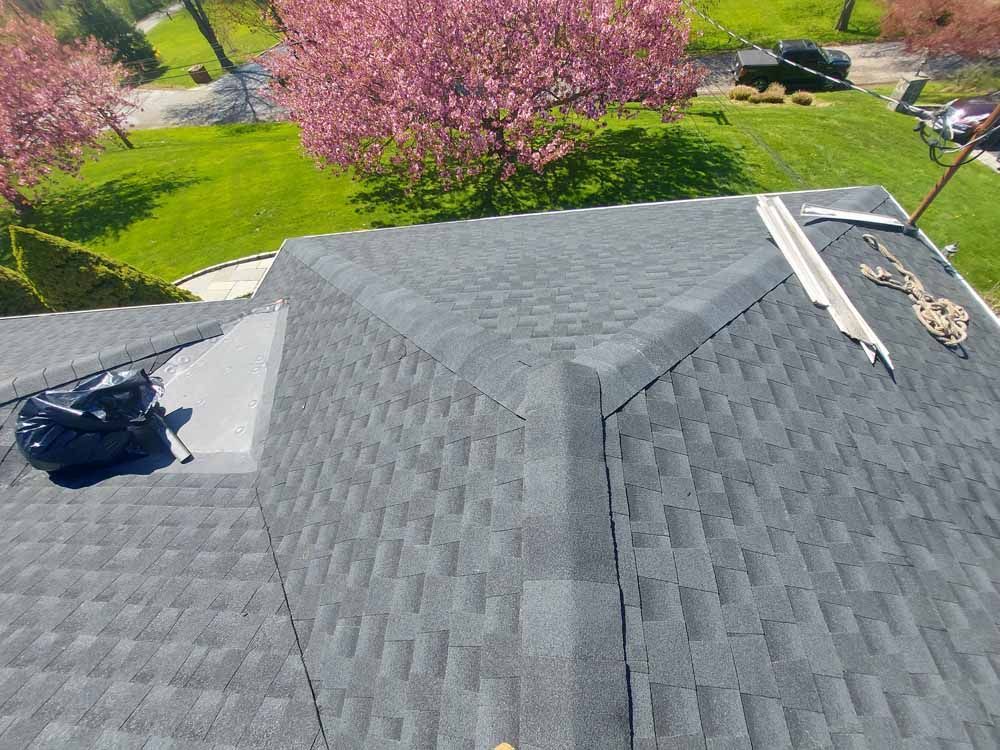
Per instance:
x=68, y=276
x=17, y=295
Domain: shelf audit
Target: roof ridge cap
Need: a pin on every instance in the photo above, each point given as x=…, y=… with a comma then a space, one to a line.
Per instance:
x=574, y=641
x=634, y=358
x=486, y=361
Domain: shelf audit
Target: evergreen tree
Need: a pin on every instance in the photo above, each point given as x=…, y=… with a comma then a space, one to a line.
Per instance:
x=128, y=44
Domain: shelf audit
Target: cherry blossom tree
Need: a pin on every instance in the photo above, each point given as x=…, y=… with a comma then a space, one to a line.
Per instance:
x=459, y=88
x=969, y=28
x=55, y=100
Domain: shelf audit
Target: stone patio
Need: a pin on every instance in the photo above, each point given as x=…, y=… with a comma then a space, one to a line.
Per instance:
x=230, y=282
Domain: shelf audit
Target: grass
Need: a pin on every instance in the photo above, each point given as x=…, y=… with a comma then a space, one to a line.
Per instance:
x=186, y=198
x=179, y=45
x=969, y=84
x=767, y=22
x=972, y=81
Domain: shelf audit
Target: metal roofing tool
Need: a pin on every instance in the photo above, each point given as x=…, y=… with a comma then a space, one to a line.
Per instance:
x=816, y=277
x=856, y=217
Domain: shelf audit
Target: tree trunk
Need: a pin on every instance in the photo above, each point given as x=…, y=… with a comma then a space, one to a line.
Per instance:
x=845, y=15
x=21, y=204
x=118, y=131
x=200, y=17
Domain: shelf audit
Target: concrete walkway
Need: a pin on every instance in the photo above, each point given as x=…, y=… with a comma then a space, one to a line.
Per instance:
x=229, y=282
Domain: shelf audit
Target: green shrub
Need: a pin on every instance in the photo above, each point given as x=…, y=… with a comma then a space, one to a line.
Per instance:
x=803, y=97
x=741, y=93
x=773, y=94
x=17, y=295
x=68, y=276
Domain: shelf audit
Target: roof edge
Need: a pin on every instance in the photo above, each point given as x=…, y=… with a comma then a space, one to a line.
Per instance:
x=614, y=207
x=22, y=386
x=947, y=263
x=632, y=360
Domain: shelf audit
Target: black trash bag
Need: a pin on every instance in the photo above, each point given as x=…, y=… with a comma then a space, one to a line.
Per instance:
x=94, y=423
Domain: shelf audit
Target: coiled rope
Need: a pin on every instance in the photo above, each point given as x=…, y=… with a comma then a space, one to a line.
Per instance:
x=945, y=320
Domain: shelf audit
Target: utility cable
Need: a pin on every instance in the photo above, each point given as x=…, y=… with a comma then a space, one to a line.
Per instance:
x=730, y=110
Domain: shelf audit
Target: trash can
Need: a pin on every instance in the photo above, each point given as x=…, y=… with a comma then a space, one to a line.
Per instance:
x=199, y=74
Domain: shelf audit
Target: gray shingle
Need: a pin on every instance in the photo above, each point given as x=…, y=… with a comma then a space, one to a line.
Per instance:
x=844, y=604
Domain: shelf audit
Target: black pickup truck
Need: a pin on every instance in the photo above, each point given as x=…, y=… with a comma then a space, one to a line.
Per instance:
x=758, y=69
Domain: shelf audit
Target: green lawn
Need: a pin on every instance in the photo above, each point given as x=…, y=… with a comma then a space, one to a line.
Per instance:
x=179, y=45
x=971, y=85
x=186, y=198
x=766, y=22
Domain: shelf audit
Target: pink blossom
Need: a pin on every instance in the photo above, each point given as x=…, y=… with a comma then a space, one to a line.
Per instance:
x=55, y=100
x=452, y=85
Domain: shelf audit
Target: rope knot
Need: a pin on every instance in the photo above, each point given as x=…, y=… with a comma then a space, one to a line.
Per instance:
x=944, y=320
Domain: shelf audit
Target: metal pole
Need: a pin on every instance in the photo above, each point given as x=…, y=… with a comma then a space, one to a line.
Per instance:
x=988, y=123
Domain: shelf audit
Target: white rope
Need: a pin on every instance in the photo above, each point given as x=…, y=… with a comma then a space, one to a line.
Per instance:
x=946, y=321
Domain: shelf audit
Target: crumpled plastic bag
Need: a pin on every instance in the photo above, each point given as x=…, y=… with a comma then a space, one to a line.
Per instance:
x=95, y=423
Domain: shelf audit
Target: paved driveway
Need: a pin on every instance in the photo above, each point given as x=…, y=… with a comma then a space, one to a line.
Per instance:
x=240, y=96
x=147, y=24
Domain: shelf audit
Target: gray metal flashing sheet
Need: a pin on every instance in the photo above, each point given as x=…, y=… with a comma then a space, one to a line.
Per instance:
x=219, y=400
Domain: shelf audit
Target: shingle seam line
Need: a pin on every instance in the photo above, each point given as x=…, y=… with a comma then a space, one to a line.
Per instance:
x=291, y=618
x=618, y=576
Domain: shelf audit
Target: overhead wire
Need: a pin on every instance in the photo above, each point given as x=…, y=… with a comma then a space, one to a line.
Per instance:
x=731, y=110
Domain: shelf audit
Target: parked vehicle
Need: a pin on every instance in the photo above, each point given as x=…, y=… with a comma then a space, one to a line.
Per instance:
x=958, y=119
x=758, y=69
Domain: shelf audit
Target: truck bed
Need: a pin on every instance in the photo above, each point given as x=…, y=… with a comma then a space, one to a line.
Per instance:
x=751, y=58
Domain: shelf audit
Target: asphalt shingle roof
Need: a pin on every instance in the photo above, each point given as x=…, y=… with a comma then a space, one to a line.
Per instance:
x=561, y=282
x=484, y=513
x=32, y=343
x=815, y=542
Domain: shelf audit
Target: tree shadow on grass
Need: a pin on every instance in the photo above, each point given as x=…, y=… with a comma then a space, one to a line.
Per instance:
x=83, y=211
x=625, y=165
